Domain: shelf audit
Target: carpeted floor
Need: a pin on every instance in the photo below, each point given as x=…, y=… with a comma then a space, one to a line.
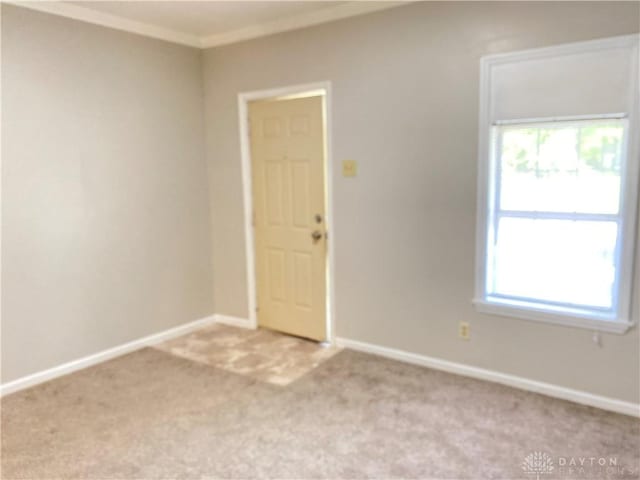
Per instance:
x=152, y=415
x=261, y=354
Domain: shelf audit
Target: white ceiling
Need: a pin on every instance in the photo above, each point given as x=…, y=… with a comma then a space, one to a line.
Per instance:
x=208, y=23
x=205, y=18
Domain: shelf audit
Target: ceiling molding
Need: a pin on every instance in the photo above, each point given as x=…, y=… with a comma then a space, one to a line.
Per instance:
x=324, y=15
x=107, y=20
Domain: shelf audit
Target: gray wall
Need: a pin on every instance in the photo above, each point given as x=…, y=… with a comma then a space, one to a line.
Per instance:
x=106, y=215
x=105, y=204
x=405, y=106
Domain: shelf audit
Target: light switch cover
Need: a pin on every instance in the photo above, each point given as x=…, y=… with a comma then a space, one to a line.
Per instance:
x=349, y=168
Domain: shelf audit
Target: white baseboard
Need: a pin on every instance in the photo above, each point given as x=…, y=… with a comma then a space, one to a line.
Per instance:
x=551, y=390
x=548, y=389
x=103, y=356
x=234, y=321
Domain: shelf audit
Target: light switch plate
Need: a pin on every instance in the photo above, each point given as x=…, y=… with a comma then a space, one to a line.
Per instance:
x=349, y=168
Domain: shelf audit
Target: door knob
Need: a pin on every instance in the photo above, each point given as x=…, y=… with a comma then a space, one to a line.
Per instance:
x=316, y=235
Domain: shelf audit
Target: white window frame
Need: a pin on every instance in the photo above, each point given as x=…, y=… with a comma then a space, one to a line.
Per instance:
x=538, y=311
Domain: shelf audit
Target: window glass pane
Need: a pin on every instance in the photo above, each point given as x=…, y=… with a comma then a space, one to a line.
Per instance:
x=574, y=168
x=569, y=262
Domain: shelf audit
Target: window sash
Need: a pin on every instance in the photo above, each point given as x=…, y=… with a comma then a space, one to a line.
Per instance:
x=497, y=133
x=541, y=303
x=496, y=213
x=545, y=303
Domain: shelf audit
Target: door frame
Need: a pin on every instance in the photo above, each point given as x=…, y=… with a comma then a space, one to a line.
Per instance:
x=324, y=88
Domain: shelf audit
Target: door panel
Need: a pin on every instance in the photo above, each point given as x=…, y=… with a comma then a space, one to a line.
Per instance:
x=287, y=154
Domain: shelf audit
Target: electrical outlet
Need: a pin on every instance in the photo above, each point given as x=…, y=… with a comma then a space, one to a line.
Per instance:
x=463, y=330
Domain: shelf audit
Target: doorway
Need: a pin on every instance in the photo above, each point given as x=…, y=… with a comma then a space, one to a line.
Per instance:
x=286, y=176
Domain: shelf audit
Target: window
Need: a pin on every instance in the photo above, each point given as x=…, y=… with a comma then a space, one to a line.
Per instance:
x=556, y=217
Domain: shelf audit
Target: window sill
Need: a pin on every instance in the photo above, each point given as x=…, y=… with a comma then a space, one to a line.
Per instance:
x=545, y=316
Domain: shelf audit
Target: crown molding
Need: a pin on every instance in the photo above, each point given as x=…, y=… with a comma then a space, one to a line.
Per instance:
x=344, y=10
x=328, y=14
x=107, y=20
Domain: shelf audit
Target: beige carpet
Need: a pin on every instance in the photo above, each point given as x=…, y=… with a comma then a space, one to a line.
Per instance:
x=152, y=415
x=261, y=354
